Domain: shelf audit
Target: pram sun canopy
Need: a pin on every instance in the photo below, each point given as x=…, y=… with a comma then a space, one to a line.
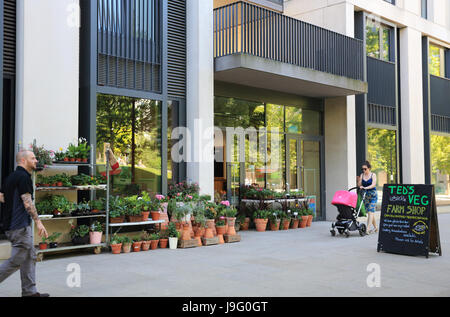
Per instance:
x=346, y=198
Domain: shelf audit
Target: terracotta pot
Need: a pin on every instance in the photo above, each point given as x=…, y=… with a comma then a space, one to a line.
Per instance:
x=145, y=215
x=137, y=246
x=66, y=159
x=59, y=184
x=294, y=223
x=126, y=247
x=135, y=218
x=155, y=215
x=163, y=243
x=244, y=226
x=221, y=240
x=211, y=225
x=95, y=237
x=310, y=219
x=199, y=232
x=84, y=160
x=116, y=248
x=275, y=226
x=199, y=241
x=208, y=233
x=303, y=222
x=43, y=246
x=285, y=224
x=260, y=224
x=231, y=230
x=145, y=245
x=95, y=211
x=117, y=219
x=154, y=244
x=72, y=160
x=186, y=235
x=220, y=230
x=178, y=225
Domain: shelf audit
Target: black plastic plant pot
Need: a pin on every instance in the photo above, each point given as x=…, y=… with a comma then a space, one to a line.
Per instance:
x=53, y=245
x=81, y=240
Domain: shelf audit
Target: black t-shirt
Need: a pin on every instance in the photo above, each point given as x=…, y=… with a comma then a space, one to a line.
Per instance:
x=14, y=216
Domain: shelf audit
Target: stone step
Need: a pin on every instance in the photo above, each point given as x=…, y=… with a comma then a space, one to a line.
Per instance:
x=5, y=250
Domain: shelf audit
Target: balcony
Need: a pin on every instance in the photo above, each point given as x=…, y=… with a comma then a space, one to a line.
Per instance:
x=261, y=48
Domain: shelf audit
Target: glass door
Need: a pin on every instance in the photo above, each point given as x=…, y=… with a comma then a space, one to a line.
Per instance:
x=303, y=168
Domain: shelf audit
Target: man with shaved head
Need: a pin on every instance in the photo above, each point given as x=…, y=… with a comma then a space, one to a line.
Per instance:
x=17, y=196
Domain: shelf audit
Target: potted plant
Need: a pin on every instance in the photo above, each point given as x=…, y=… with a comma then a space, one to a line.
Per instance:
x=96, y=205
x=79, y=235
x=43, y=156
x=82, y=208
x=137, y=244
x=52, y=238
x=116, y=210
x=116, y=244
x=304, y=218
x=83, y=150
x=285, y=220
x=43, y=245
x=244, y=222
x=200, y=221
x=154, y=208
x=260, y=217
x=59, y=156
x=295, y=219
x=126, y=244
x=154, y=240
x=174, y=235
x=145, y=238
x=72, y=152
x=163, y=238
x=134, y=210
x=230, y=214
x=274, y=220
x=95, y=235
x=220, y=226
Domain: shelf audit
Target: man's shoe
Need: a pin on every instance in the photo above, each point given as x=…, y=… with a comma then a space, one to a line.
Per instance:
x=38, y=295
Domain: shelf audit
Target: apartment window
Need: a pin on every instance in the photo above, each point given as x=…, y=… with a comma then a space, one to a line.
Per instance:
x=424, y=9
x=378, y=40
x=436, y=60
x=390, y=1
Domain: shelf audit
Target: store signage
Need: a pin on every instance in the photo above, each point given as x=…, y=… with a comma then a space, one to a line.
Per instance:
x=409, y=223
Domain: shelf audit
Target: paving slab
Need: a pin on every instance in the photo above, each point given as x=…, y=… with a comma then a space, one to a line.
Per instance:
x=290, y=263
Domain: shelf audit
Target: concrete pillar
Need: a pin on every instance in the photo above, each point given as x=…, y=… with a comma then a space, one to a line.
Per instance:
x=340, y=147
x=47, y=72
x=200, y=94
x=412, y=110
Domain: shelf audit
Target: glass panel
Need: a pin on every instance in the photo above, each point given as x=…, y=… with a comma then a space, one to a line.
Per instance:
x=311, y=172
x=440, y=168
x=230, y=112
x=294, y=117
x=293, y=164
x=254, y=161
x=133, y=129
x=235, y=172
x=312, y=122
x=373, y=38
x=275, y=170
x=382, y=150
x=386, y=43
x=435, y=60
x=275, y=117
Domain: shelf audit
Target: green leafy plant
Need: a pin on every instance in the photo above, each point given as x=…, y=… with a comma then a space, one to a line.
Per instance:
x=261, y=214
x=83, y=148
x=43, y=156
x=172, y=231
x=220, y=222
x=116, y=239
x=154, y=236
x=97, y=204
x=79, y=231
x=97, y=226
x=230, y=212
x=51, y=238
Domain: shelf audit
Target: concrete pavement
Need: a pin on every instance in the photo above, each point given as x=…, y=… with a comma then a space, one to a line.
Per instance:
x=302, y=262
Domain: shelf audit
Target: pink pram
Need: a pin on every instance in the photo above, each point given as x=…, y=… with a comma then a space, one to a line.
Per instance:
x=346, y=202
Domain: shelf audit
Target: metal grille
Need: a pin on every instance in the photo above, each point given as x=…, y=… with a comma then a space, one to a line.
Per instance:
x=129, y=44
x=9, y=44
x=380, y=114
x=249, y=29
x=381, y=80
x=176, y=46
x=440, y=123
x=440, y=96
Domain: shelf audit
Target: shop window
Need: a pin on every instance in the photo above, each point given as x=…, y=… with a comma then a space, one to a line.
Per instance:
x=132, y=127
x=231, y=112
x=275, y=167
x=440, y=167
x=436, y=60
x=275, y=117
x=378, y=40
x=382, y=155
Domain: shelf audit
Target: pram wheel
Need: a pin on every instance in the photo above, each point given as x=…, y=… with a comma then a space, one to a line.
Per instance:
x=333, y=233
x=341, y=231
x=347, y=233
x=362, y=230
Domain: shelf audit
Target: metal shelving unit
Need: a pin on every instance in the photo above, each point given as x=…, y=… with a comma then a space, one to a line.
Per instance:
x=91, y=188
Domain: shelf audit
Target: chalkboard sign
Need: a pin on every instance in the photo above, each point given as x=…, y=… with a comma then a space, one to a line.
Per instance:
x=408, y=223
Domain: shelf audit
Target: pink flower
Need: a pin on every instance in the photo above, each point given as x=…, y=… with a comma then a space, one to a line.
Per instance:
x=159, y=197
x=189, y=196
x=225, y=203
x=178, y=194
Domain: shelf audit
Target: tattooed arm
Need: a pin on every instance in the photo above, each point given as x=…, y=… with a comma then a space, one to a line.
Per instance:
x=31, y=209
x=2, y=198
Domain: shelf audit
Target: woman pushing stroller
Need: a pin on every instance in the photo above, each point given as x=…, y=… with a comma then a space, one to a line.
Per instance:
x=368, y=181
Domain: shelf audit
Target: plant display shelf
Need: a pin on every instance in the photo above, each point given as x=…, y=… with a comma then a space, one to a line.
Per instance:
x=91, y=188
x=66, y=247
x=273, y=200
x=140, y=223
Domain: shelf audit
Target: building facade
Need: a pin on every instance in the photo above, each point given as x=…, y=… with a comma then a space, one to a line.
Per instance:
x=286, y=95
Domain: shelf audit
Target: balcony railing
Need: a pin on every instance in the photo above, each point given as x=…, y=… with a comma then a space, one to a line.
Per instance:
x=248, y=29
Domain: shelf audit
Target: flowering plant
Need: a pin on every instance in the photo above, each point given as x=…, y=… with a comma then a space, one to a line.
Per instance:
x=220, y=222
x=44, y=157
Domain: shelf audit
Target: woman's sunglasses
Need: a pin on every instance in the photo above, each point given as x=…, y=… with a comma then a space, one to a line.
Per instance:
x=364, y=168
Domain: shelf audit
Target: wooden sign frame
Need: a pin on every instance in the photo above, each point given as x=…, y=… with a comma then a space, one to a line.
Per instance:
x=409, y=222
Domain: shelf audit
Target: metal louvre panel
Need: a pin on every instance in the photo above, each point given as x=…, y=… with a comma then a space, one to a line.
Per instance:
x=176, y=47
x=440, y=123
x=9, y=44
x=440, y=96
x=381, y=114
x=129, y=34
x=381, y=79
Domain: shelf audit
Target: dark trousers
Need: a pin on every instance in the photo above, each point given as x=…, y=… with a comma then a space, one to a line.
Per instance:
x=23, y=257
